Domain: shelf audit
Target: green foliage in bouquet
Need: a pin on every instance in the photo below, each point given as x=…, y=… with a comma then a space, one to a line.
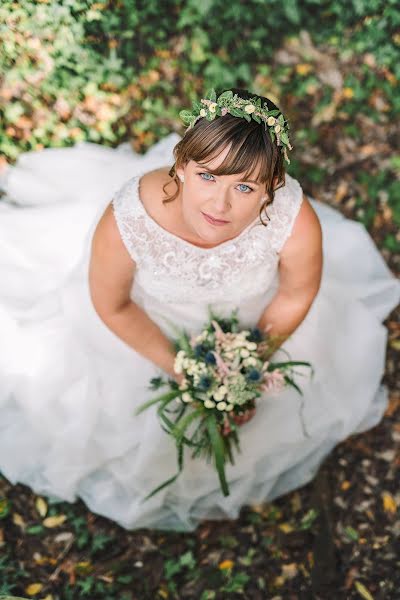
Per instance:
x=224, y=370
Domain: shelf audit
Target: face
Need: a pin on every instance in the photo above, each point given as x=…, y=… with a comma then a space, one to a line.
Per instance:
x=217, y=208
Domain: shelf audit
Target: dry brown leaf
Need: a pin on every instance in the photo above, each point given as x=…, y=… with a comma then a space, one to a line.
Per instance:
x=289, y=571
x=341, y=191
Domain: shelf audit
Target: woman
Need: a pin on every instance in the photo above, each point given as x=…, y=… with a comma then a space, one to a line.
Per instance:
x=88, y=331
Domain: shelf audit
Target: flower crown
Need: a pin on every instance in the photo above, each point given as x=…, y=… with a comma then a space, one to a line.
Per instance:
x=228, y=102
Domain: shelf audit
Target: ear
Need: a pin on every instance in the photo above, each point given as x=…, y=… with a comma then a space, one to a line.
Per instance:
x=180, y=172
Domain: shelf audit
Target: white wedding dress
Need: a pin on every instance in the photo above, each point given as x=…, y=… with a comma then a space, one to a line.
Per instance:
x=69, y=386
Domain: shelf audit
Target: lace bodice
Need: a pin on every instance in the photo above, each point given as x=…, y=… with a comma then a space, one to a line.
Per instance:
x=171, y=269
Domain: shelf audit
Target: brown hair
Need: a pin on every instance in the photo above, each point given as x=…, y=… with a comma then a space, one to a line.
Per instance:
x=251, y=145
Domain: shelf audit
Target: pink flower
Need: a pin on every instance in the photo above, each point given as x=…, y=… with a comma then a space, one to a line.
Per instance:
x=274, y=381
x=224, y=110
x=219, y=334
x=222, y=367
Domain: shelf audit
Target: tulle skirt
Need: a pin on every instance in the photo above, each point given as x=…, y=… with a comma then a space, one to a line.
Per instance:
x=69, y=387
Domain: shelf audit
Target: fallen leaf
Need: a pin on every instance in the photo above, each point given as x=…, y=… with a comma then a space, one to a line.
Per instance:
x=341, y=191
x=362, y=590
x=226, y=564
x=56, y=521
x=289, y=571
x=285, y=527
x=33, y=589
x=65, y=536
x=41, y=507
x=18, y=520
x=389, y=503
x=279, y=581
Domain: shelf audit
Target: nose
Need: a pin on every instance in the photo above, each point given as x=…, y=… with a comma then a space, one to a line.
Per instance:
x=221, y=203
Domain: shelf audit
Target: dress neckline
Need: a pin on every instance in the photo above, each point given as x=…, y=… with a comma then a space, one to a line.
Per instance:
x=136, y=178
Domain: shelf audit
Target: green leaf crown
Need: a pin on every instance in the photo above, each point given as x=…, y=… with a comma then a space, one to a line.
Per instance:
x=228, y=102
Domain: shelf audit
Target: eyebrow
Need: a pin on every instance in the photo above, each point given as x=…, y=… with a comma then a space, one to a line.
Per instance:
x=211, y=173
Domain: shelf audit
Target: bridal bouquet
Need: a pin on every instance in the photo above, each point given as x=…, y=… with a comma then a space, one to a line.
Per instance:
x=223, y=370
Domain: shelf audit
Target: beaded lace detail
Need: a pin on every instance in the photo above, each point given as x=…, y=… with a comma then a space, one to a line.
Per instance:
x=174, y=270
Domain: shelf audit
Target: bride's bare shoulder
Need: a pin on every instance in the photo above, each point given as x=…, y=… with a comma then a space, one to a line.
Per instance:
x=151, y=187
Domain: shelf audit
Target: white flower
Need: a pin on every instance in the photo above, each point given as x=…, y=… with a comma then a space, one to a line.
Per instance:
x=177, y=368
x=229, y=407
x=221, y=405
x=183, y=385
x=251, y=346
x=244, y=353
x=277, y=128
x=220, y=393
x=249, y=108
x=209, y=403
x=186, y=397
x=203, y=112
x=271, y=121
x=212, y=107
x=250, y=362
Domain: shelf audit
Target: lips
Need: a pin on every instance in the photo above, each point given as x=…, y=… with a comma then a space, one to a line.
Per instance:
x=213, y=221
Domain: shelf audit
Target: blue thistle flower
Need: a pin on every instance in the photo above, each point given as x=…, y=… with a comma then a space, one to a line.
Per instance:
x=210, y=358
x=255, y=335
x=253, y=375
x=204, y=382
x=199, y=350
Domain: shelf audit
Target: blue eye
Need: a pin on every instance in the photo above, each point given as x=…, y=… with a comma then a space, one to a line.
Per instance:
x=243, y=185
x=201, y=174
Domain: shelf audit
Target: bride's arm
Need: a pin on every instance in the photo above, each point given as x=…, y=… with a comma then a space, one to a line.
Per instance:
x=111, y=275
x=300, y=271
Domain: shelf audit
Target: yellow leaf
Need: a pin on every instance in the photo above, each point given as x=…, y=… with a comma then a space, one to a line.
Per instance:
x=348, y=93
x=362, y=590
x=226, y=564
x=84, y=566
x=18, y=520
x=163, y=593
x=54, y=521
x=33, y=589
x=285, y=527
x=48, y=597
x=345, y=485
x=389, y=503
x=303, y=69
x=41, y=507
x=279, y=581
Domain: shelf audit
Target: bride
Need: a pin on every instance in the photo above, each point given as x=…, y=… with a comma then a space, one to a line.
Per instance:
x=104, y=253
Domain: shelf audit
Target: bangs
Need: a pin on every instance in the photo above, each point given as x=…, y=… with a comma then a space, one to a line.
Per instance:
x=249, y=153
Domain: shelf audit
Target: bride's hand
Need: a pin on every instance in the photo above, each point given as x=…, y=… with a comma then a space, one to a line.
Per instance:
x=246, y=416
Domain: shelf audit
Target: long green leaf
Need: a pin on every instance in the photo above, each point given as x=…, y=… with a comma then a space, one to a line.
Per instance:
x=218, y=450
x=163, y=485
x=184, y=423
x=168, y=395
x=293, y=384
x=288, y=363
